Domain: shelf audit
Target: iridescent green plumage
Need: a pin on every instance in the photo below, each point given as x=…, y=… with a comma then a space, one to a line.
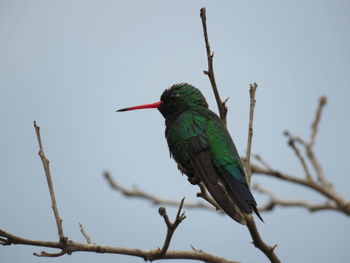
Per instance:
x=201, y=145
x=199, y=141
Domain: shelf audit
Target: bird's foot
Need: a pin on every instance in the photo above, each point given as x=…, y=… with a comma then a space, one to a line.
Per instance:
x=191, y=177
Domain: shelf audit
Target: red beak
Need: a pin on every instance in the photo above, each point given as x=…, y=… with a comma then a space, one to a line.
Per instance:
x=145, y=106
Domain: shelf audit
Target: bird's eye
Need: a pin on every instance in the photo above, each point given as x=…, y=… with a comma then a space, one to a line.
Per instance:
x=173, y=96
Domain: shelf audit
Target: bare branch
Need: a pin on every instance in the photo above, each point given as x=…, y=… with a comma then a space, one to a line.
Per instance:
x=152, y=198
x=258, y=242
x=72, y=246
x=252, y=91
x=86, y=236
x=322, y=185
x=254, y=233
x=314, y=125
x=46, y=165
x=311, y=157
x=291, y=143
x=170, y=226
x=317, y=166
x=314, y=129
x=342, y=204
x=210, y=72
x=51, y=255
x=275, y=201
x=309, y=145
x=206, y=196
x=261, y=160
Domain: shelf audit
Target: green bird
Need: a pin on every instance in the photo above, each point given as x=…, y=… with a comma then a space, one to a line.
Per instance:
x=203, y=148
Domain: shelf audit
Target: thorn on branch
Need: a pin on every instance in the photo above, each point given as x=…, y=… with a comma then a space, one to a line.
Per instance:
x=273, y=247
x=224, y=102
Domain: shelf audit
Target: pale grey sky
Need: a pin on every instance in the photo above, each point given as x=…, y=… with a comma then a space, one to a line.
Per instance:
x=70, y=64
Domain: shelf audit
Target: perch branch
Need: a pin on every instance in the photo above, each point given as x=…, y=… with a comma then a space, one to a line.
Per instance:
x=210, y=73
x=206, y=196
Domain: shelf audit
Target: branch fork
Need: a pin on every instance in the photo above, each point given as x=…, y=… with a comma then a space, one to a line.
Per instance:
x=171, y=227
x=318, y=182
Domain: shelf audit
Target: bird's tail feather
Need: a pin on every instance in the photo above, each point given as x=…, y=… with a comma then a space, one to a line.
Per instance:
x=257, y=213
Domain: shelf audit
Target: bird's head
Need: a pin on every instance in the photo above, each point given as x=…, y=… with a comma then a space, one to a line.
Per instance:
x=175, y=100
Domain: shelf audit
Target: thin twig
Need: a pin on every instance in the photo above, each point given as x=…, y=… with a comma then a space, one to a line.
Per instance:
x=261, y=160
x=275, y=201
x=137, y=193
x=206, y=196
x=252, y=90
x=342, y=204
x=220, y=104
x=171, y=226
x=291, y=143
x=318, y=168
x=254, y=233
x=268, y=251
x=258, y=242
x=86, y=236
x=51, y=255
x=309, y=144
x=72, y=246
x=322, y=186
x=210, y=72
x=46, y=165
x=314, y=125
x=310, y=155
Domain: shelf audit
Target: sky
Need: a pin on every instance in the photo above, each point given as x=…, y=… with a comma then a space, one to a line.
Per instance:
x=69, y=65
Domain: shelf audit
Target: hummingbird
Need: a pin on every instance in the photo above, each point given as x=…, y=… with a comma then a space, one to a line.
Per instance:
x=203, y=148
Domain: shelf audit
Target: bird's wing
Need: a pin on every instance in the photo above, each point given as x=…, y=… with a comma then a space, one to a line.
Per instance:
x=193, y=130
x=228, y=164
x=217, y=163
